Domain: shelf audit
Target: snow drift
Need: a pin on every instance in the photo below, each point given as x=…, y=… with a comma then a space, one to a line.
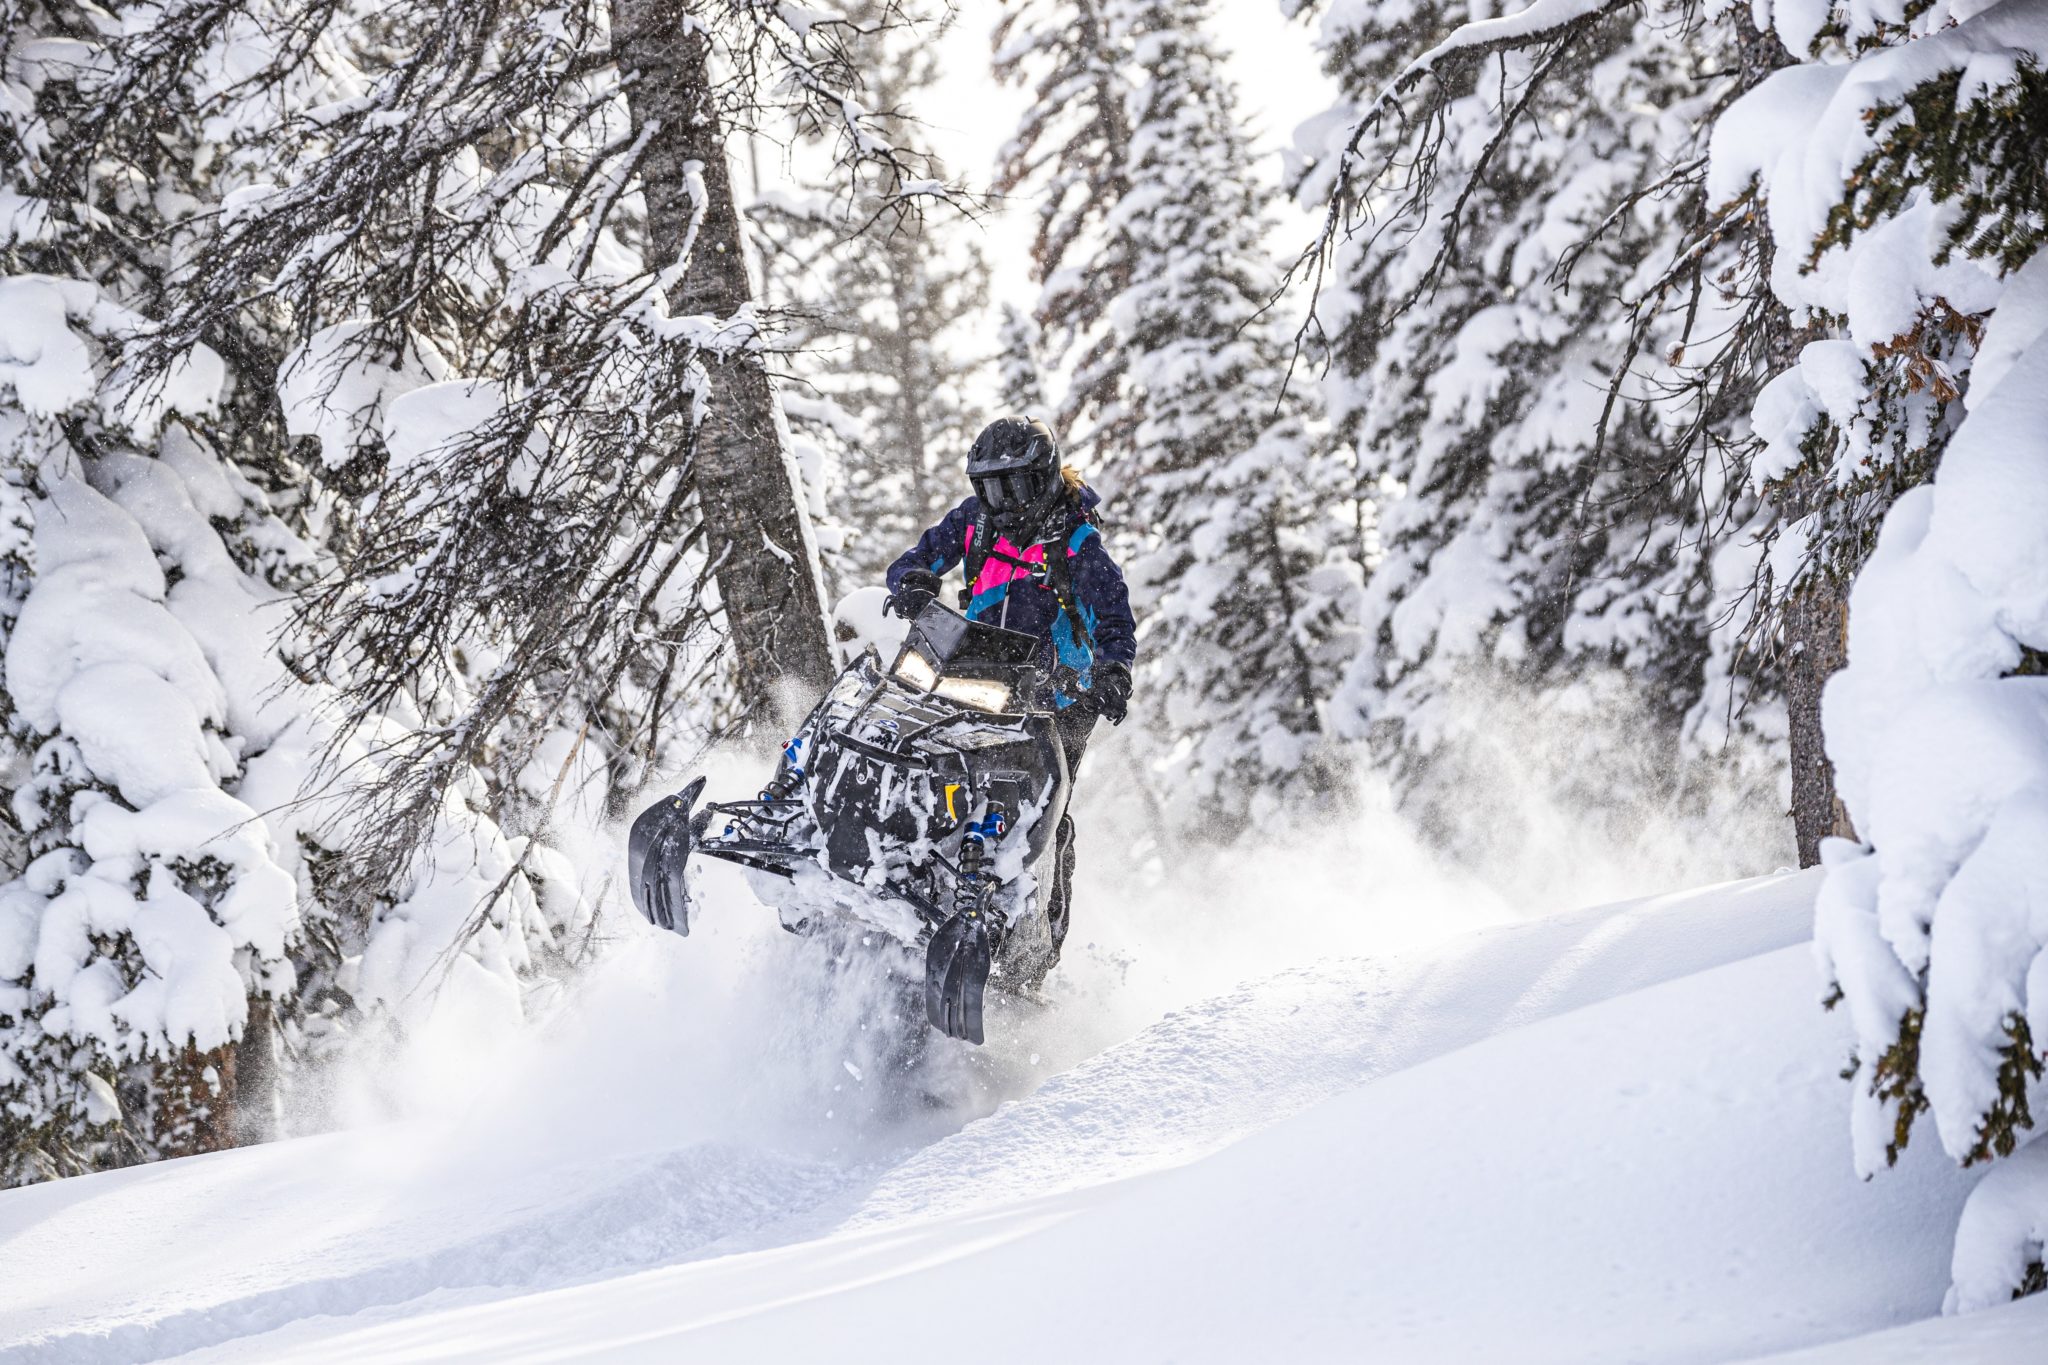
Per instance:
x=1603, y=1136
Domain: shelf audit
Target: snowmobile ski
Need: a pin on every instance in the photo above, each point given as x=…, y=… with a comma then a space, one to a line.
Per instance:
x=658, y=857
x=956, y=967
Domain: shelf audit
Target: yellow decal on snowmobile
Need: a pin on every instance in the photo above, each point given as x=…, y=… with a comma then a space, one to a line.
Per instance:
x=951, y=787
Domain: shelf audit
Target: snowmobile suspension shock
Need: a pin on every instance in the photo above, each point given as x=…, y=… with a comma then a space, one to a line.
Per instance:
x=785, y=782
x=971, y=890
x=792, y=776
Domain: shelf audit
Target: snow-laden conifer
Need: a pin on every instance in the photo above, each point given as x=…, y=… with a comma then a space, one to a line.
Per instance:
x=161, y=524
x=1071, y=155
x=148, y=923
x=482, y=267
x=1020, y=379
x=1538, y=394
x=150, y=915
x=1244, y=600
x=892, y=319
x=1900, y=172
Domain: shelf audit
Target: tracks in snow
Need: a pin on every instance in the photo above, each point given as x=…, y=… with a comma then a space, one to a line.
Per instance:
x=335, y=1233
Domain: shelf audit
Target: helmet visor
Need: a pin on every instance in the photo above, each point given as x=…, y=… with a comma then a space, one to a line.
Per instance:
x=1010, y=492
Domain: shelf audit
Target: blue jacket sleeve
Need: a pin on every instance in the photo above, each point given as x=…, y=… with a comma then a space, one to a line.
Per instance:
x=939, y=548
x=1099, y=585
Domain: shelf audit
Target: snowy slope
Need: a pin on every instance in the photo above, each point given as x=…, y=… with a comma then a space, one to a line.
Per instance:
x=2013, y=1334
x=1655, y=1177
x=1610, y=1135
x=1211, y=1073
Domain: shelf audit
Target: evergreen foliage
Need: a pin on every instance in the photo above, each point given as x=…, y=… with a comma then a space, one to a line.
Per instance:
x=894, y=321
x=385, y=416
x=1918, y=407
x=1071, y=153
x=146, y=914
x=1532, y=352
x=347, y=417
x=1020, y=381
x=171, y=958
x=1247, y=605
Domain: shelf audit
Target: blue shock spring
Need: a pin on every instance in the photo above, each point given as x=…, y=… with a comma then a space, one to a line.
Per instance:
x=791, y=777
x=973, y=855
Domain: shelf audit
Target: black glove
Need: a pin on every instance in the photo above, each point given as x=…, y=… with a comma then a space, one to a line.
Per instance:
x=1112, y=692
x=914, y=592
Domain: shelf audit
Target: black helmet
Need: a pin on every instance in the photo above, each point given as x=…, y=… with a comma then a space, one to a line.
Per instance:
x=1015, y=469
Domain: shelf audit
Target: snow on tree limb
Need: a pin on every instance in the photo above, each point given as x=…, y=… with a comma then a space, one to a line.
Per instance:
x=1550, y=27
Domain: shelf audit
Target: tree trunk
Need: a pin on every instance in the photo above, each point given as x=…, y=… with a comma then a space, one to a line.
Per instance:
x=896, y=348
x=254, y=1058
x=1813, y=620
x=758, y=530
x=194, y=1097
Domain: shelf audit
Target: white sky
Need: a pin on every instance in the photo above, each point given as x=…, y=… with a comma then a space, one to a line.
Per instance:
x=1280, y=83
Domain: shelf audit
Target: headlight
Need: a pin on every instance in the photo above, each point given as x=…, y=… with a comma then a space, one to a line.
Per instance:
x=913, y=669
x=978, y=693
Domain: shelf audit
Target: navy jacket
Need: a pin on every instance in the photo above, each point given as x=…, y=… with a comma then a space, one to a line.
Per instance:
x=1022, y=600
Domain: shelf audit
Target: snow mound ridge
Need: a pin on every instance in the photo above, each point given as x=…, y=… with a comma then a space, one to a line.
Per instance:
x=1209, y=1074
x=619, y=1216
x=366, y=1228
x=1646, y=1178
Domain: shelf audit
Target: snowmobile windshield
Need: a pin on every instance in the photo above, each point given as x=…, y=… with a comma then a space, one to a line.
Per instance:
x=954, y=644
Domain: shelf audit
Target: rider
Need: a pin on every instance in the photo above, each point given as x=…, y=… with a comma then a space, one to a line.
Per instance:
x=1034, y=562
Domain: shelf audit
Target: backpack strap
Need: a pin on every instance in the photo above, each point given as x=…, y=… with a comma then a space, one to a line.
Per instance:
x=981, y=547
x=1059, y=573
x=981, y=542
x=1059, y=577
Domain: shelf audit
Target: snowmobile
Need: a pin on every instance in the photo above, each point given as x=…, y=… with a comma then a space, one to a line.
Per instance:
x=917, y=802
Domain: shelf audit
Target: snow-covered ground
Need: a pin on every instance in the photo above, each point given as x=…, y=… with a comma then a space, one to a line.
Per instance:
x=1610, y=1135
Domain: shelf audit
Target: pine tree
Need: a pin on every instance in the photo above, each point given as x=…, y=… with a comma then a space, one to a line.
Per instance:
x=1923, y=279
x=160, y=490
x=387, y=323
x=1551, y=481
x=1020, y=384
x=796, y=233
x=1071, y=153
x=563, y=530
x=895, y=326
x=1244, y=603
x=153, y=917
x=912, y=316
x=1901, y=311
x=147, y=923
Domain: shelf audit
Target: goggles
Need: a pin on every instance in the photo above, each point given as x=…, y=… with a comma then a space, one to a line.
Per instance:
x=1013, y=491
